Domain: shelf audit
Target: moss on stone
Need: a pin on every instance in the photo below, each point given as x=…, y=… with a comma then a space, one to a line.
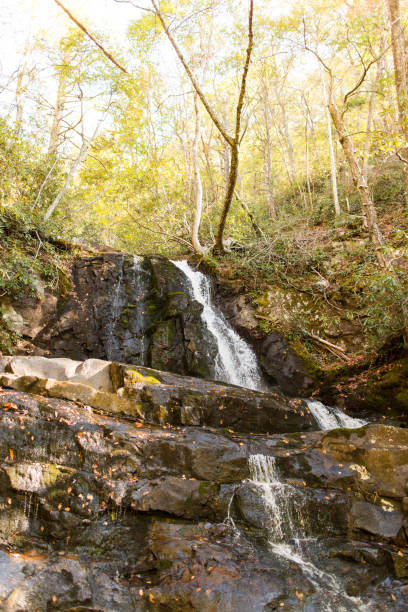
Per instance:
x=209, y=488
x=164, y=564
x=133, y=377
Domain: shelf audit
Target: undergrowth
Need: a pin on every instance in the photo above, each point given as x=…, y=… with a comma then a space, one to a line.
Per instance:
x=28, y=260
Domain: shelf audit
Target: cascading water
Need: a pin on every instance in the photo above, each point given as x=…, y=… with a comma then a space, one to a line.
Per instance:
x=140, y=278
x=288, y=531
x=330, y=418
x=110, y=343
x=235, y=362
x=125, y=336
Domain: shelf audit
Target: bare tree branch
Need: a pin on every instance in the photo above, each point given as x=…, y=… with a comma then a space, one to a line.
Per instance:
x=191, y=76
x=91, y=37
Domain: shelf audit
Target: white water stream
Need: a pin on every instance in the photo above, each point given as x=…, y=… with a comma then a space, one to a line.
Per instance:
x=288, y=533
x=288, y=526
x=331, y=418
x=236, y=362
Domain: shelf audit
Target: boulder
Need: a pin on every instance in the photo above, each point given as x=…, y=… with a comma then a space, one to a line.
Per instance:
x=385, y=522
x=41, y=367
x=378, y=454
x=284, y=366
x=11, y=319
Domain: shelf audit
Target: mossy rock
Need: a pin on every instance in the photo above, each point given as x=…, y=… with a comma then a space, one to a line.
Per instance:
x=134, y=377
x=64, y=282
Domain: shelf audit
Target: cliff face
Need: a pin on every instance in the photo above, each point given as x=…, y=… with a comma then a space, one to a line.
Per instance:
x=114, y=306
x=129, y=480
x=141, y=310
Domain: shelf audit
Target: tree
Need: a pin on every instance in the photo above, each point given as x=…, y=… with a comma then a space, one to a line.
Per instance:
x=331, y=150
x=401, y=78
x=233, y=140
x=83, y=151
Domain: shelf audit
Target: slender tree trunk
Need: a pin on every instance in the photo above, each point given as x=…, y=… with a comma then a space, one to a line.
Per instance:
x=58, y=110
x=357, y=174
x=268, y=189
x=268, y=157
x=331, y=149
x=258, y=231
x=22, y=72
x=307, y=161
x=37, y=199
x=232, y=179
x=312, y=128
x=198, y=188
x=370, y=116
x=401, y=79
x=288, y=139
x=77, y=163
x=282, y=150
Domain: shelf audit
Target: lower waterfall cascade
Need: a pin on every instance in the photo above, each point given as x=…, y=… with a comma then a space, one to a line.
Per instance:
x=329, y=418
x=289, y=533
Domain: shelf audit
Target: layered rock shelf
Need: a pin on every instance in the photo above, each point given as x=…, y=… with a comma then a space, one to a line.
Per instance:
x=124, y=488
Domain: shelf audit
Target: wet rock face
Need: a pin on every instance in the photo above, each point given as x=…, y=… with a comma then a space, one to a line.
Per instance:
x=284, y=366
x=104, y=512
x=130, y=309
x=156, y=396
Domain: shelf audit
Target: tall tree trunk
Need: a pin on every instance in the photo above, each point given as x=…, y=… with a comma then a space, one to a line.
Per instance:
x=77, y=163
x=331, y=150
x=232, y=179
x=198, y=187
x=370, y=117
x=268, y=157
x=22, y=72
x=357, y=174
x=401, y=79
x=312, y=128
x=307, y=164
x=58, y=109
x=288, y=139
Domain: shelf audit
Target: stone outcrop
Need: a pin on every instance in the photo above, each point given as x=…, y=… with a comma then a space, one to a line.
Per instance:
x=121, y=511
x=124, y=308
x=284, y=366
x=156, y=396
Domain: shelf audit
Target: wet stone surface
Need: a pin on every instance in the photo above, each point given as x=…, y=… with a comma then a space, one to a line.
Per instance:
x=103, y=513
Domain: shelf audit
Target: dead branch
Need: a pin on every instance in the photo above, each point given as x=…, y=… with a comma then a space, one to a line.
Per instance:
x=91, y=37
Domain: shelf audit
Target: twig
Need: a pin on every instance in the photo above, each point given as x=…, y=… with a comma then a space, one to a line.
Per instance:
x=159, y=231
x=330, y=345
x=40, y=244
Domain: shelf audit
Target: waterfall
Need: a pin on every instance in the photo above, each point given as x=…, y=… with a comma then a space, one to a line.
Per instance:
x=283, y=502
x=288, y=529
x=236, y=362
x=115, y=310
x=331, y=418
x=139, y=320
x=127, y=313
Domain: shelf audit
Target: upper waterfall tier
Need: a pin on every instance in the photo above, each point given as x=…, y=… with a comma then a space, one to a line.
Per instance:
x=235, y=361
x=147, y=311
